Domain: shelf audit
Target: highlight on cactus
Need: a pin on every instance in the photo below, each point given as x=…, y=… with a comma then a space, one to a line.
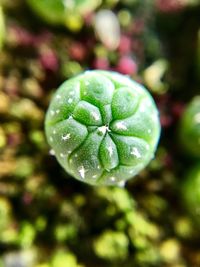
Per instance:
x=103, y=127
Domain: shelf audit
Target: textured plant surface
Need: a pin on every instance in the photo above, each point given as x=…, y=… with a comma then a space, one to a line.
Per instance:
x=103, y=127
x=190, y=128
x=48, y=219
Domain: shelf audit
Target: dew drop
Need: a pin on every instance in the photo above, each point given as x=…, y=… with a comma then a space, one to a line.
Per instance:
x=135, y=152
x=103, y=129
x=113, y=179
x=52, y=112
x=66, y=137
x=197, y=118
x=82, y=172
x=147, y=147
x=110, y=151
x=51, y=152
x=142, y=108
x=71, y=93
x=58, y=96
x=95, y=116
x=121, y=184
x=62, y=155
x=121, y=126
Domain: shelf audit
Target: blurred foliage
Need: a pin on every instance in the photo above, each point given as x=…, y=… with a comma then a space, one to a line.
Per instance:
x=48, y=219
x=189, y=131
x=2, y=27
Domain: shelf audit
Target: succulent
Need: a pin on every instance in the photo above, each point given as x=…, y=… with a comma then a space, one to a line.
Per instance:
x=189, y=131
x=190, y=193
x=112, y=245
x=63, y=12
x=103, y=127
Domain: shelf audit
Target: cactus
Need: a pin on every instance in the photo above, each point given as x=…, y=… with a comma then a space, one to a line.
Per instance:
x=189, y=131
x=190, y=193
x=103, y=127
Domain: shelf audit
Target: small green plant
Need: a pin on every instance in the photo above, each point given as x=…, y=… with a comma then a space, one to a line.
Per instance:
x=190, y=193
x=189, y=130
x=103, y=127
x=63, y=12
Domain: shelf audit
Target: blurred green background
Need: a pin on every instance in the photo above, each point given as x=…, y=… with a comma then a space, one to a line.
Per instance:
x=48, y=219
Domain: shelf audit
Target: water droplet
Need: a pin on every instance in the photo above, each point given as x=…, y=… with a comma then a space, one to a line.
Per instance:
x=52, y=112
x=71, y=93
x=120, y=125
x=197, y=118
x=121, y=184
x=62, y=155
x=110, y=151
x=142, y=108
x=147, y=147
x=103, y=129
x=113, y=179
x=95, y=116
x=51, y=152
x=135, y=152
x=66, y=137
x=58, y=96
x=82, y=172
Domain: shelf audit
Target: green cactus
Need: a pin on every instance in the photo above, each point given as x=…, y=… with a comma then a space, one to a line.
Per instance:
x=103, y=127
x=190, y=193
x=189, y=131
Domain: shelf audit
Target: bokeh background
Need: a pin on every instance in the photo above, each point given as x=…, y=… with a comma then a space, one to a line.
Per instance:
x=48, y=219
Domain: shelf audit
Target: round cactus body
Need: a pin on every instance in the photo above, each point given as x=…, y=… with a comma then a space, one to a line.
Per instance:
x=189, y=131
x=190, y=192
x=103, y=127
